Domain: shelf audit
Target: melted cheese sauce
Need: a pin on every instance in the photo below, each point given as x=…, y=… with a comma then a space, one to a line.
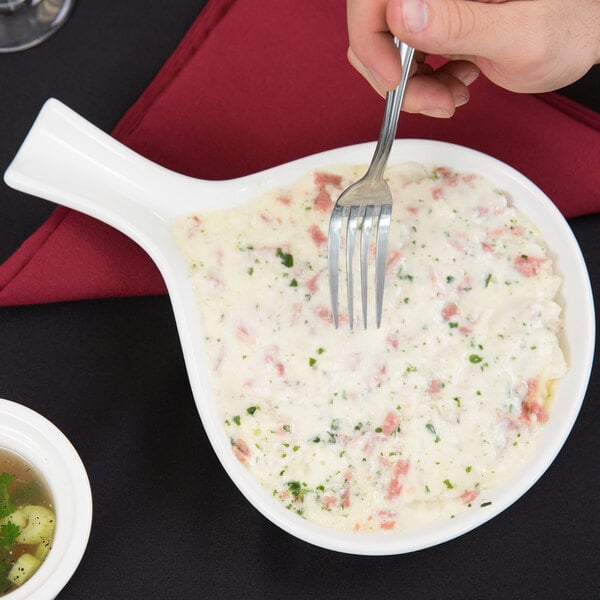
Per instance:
x=379, y=428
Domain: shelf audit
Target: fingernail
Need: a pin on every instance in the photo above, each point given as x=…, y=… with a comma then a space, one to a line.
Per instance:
x=436, y=112
x=468, y=76
x=460, y=100
x=378, y=82
x=415, y=16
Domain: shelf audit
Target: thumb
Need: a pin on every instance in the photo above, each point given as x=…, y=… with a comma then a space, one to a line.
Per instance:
x=453, y=27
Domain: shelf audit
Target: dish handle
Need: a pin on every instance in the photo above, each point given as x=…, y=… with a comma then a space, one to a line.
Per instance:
x=67, y=160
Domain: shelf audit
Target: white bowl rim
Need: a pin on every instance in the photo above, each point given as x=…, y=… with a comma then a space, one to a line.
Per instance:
x=29, y=434
x=66, y=159
x=576, y=298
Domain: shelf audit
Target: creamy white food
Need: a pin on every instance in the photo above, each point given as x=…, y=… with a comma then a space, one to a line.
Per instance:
x=379, y=428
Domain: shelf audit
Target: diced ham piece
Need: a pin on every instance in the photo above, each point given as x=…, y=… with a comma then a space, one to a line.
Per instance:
x=241, y=450
x=469, y=496
x=528, y=265
x=397, y=481
x=345, y=502
x=392, y=341
x=387, y=519
x=449, y=311
x=392, y=260
x=317, y=236
x=329, y=501
x=322, y=202
x=391, y=422
x=435, y=386
x=530, y=407
x=322, y=179
x=313, y=284
x=271, y=359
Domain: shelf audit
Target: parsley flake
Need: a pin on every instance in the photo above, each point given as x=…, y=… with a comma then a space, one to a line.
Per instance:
x=287, y=260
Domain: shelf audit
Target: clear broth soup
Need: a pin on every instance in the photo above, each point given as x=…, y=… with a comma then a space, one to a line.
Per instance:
x=27, y=521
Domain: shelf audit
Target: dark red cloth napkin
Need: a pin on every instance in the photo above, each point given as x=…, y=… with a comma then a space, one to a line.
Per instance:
x=255, y=83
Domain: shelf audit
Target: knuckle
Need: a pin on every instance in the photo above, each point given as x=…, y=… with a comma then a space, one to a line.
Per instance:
x=539, y=42
x=459, y=20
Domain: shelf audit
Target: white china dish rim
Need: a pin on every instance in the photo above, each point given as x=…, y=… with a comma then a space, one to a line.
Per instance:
x=145, y=199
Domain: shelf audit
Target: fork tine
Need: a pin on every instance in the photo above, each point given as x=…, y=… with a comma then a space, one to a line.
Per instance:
x=333, y=258
x=353, y=204
x=351, y=227
x=365, y=242
x=381, y=243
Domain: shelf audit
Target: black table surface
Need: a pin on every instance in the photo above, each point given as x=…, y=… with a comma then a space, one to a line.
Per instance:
x=168, y=522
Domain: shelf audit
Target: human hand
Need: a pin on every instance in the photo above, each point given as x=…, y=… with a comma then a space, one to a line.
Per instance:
x=521, y=45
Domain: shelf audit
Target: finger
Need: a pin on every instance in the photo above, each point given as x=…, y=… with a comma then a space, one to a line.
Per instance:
x=372, y=49
x=369, y=75
x=425, y=94
x=438, y=94
x=457, y=27
x=463, y=70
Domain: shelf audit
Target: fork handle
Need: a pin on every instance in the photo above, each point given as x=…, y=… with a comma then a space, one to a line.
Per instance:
x=393, y=103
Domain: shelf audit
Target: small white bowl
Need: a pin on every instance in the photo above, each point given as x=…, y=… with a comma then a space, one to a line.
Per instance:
x=30, y=435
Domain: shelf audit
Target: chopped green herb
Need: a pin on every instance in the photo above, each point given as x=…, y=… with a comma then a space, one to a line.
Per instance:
x=320, y=350
x=287, y=260
x=296, y=489
x=6, y=506
x=488, y=279
x=404, y=276
x=293, y=283
x=485, y=504
x=432, y=430
x=8, y=534
x=312, y=361
x=252, y=409
x=448, y=484
x=475, y=358
x=237, y=420
x=452, y=325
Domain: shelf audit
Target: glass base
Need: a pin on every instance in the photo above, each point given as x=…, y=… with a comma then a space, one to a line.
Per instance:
x=26, y=23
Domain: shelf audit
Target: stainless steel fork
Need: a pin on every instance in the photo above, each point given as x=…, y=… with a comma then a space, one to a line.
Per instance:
x=366, y=205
